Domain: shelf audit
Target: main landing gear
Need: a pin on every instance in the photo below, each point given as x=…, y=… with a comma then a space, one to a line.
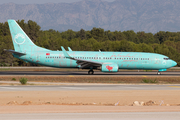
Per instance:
x=90, y=72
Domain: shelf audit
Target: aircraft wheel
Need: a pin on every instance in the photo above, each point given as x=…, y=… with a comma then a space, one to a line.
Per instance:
x=90, y=72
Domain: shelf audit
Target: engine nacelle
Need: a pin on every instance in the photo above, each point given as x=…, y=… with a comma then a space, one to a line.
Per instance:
x=109, y=68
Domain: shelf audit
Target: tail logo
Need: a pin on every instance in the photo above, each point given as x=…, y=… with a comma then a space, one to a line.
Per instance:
x=19, y=38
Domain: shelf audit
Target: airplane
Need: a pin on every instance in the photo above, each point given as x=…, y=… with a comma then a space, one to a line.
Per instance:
x=69, y=49
x=111, y=62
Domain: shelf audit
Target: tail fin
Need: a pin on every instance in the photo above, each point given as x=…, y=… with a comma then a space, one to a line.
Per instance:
x=22, y=43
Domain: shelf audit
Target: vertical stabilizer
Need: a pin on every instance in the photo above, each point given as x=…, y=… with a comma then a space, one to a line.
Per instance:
x=22, y=43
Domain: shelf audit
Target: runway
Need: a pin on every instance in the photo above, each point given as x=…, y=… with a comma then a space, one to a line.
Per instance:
x=85, y=73
x=89, y=87
x=94, y=116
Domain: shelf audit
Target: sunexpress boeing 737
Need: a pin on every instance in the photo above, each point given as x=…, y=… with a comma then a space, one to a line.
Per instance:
x=26, y=50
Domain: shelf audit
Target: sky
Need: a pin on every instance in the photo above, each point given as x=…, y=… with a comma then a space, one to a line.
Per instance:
x=40, y=1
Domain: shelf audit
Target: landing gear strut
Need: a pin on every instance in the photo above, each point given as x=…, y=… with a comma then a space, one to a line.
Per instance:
x=90, y=72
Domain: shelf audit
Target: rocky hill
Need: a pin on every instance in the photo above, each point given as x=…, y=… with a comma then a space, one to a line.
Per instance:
x=137, y=15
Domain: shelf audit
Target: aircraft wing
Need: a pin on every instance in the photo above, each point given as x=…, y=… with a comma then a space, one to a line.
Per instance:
x=81, y=62
x=17, y=53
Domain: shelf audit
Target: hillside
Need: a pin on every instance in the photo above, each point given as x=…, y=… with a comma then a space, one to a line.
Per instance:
x=137, y=15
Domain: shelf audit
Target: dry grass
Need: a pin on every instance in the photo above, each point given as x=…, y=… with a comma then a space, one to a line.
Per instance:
x=94, y=79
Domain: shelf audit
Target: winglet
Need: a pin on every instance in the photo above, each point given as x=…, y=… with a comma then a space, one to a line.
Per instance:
x=69, y=49
x=65, y=52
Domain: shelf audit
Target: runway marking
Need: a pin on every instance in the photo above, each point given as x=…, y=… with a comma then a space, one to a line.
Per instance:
x=175, y=86
x=7, y=88
x=72, y=88
x=71, y=76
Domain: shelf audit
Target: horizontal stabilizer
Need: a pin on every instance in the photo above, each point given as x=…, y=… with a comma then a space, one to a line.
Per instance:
x=17, y=53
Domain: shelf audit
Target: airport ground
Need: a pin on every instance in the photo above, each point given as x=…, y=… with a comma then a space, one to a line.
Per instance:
x=74, y=101
x=79, y=96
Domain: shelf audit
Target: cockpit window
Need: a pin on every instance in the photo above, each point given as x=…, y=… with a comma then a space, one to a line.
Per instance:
x=166, y=58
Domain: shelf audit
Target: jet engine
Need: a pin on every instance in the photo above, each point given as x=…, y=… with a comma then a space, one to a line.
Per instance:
x=109, y=68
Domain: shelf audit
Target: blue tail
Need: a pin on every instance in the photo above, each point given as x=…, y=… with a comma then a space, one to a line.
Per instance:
x=22, y=43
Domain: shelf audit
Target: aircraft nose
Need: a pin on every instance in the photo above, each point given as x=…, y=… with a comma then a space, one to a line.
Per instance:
x=173, y=63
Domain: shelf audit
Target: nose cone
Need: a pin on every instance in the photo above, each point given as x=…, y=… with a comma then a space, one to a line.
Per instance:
x=173, y=63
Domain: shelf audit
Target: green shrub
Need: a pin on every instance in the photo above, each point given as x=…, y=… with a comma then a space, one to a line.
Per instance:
x=13, y=79
x=149, y=80
x=23, y=81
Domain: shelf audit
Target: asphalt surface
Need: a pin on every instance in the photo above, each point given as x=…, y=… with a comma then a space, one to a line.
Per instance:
x=85, y=73
x=89, y=87
x=94, y=116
